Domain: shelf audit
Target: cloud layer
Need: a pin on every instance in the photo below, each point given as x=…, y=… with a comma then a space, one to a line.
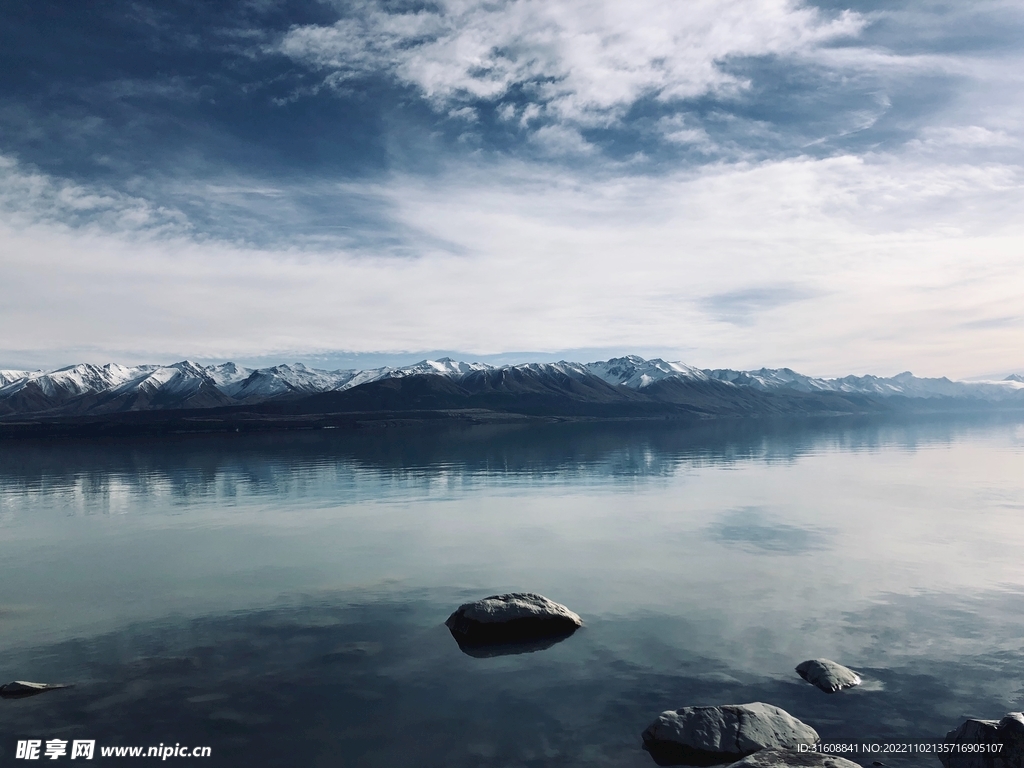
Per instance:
x=580, y=61
x=760, y=183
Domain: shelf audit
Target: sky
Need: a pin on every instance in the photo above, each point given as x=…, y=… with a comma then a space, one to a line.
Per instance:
x=833, y=187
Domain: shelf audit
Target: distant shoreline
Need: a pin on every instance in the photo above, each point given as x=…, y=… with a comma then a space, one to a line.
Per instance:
x=244, y=420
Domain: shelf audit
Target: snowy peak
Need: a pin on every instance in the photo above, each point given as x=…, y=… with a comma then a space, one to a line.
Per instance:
x=903, y=384
x=185, y=377
x=9, y=377
x=767, y=379
x=74, y=380
x=226, y=374
x=87, y=388
x=446, y=367
x=443, y=367
x=282, y=380
x=636, y=373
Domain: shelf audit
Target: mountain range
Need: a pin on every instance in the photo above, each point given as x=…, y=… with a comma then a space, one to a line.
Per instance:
x=626, y=386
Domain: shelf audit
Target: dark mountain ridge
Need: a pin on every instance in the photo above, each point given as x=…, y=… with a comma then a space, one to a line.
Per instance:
x=492, y=395
x=186, y=397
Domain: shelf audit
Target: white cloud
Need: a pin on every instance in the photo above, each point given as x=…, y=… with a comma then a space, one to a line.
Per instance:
x=561, y=140
x=676, y=128
x=27, y=195
x=584, y=61
x=545, y=261
x=964, y=136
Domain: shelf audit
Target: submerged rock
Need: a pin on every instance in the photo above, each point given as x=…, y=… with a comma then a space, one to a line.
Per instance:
x=787, y=758
x=517, y=618
x=828, y=675
x=20, y=689
x=715, y=735
x=990, y=743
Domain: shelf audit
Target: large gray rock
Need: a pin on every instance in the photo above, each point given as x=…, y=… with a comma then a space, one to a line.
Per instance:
x=519, y=617
x=1001, y=743
x=791, y=758
x=21, y=689
x=827, y=675
x=709, y=735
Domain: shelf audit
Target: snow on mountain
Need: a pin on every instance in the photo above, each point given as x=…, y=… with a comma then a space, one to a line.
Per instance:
x=282, y=380
x=73, y=380
x=87, y=388
x=907, y=384
x=562, y=368
x=9, y=377
x=443, y=367
x=767, y=379
x=636, y=373
x=226, y=374
x=181, y=378
x=904, y=384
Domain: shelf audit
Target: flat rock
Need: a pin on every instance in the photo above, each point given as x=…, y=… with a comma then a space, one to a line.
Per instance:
x=20, y=689
x=785, y=758
x=1003, y=740
x=518, y=617
x=713, y=735
x=828, y=675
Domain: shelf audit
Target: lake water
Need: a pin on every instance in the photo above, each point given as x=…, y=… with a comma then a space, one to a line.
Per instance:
x=281, y=598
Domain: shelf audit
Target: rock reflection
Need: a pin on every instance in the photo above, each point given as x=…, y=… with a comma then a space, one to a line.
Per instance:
x=665, y=754
x=487, y=650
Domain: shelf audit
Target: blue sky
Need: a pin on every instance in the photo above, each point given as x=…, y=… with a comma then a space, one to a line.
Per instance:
x=833, y=187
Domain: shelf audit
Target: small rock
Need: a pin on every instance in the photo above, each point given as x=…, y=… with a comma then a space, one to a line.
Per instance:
x=709, y=735
x=21, y=689
x=1005, y=737
x=784, y=758
x=827, y=675
x=519, y=617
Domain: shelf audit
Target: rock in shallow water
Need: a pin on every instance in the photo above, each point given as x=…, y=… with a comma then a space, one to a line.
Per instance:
x=987, y=743
x=518, y=617
x=828, y=675
x=791, y=758
x=714, y=735
x=20, y=689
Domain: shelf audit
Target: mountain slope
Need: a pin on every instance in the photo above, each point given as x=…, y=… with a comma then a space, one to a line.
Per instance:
x=626, y=385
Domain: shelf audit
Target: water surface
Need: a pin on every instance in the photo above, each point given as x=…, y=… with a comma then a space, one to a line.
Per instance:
x=281, y=598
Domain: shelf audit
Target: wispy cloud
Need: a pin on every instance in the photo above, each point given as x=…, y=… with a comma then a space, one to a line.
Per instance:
x=742, y=306
x=29, y=196
x=584, y=61
x=511, y=257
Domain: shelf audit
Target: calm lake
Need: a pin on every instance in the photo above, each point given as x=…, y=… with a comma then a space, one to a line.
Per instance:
x=282, y=598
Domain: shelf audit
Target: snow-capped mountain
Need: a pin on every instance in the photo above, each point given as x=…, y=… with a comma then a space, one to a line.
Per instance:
x=247, y=385
x=9, y=377
x=636, y=373
x=767, y=379
x=89, y=388
x=902, y=385
x=92, y=389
